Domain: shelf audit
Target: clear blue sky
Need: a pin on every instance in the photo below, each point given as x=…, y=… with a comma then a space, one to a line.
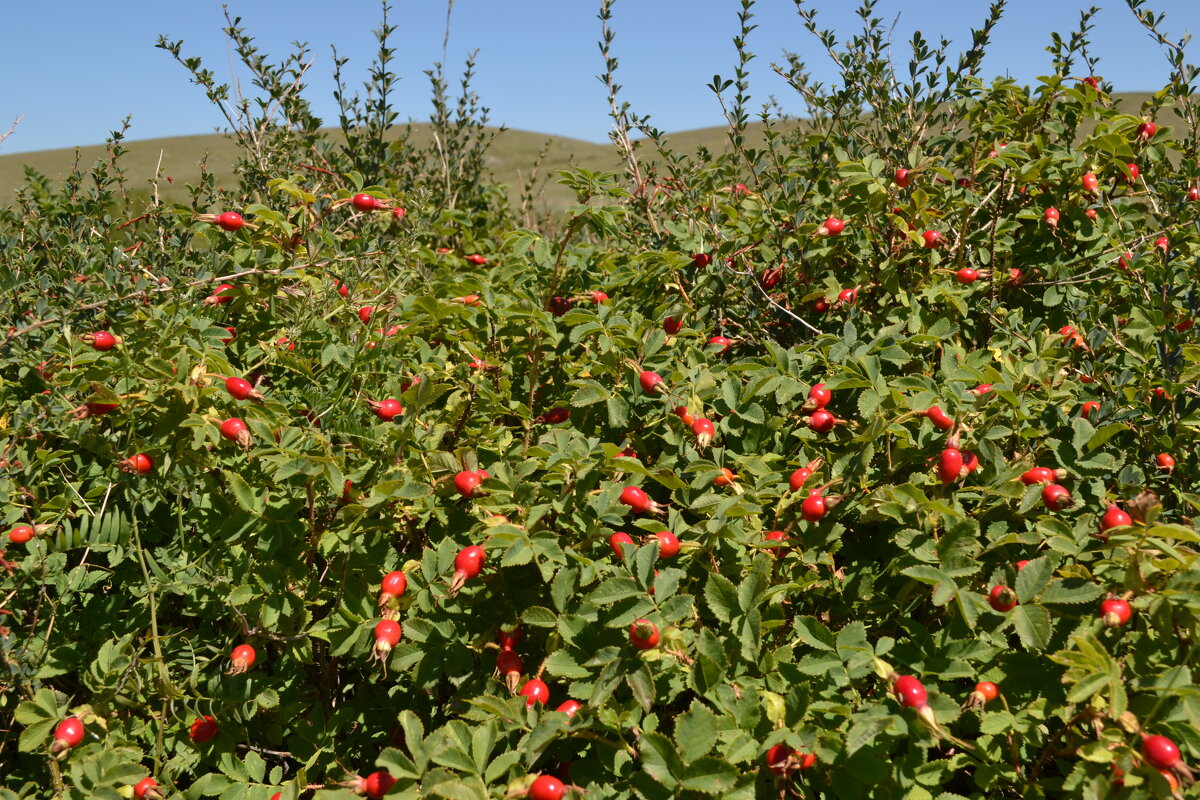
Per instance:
x=75, y=69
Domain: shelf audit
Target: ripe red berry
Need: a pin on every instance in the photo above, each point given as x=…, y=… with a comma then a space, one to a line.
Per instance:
x=1133, y=172
x=987, y=691
x=235, y=430
x=1002, y=598
x=477, y=259
x=1091, y=81
x=910, y=692
x=203, y=729
x=364, y=202
x=683, y=414
x=393, y=584
x=466, y=482
x=467, y=564
x=722, y=342
x=1037, y=475
x=651, y=382
x=814, y=506
x=950, y=465
x=1088, y=408
x=546, y=787
x=509, y=638
x=230, y=221
x=617, y=541
x=509, y=664
x=821, y=421
x=940, y=418
x=1146, y=131
x=242, y=658
x=137, y=464
x=535, y=691
x=643, y=634
x=901, y=179
x=1114, y=517
x=1090, y=183
x=67, y=735
x=638, y=500
x=704, y=431
x=101, y=340
x=1051, y=216
x=819, y=396
x=20, y=534
x=1165, y=461
x=932, y=239
x=848, y=296
x=672, y=325
x=668, y=544
x=1056, y=497
x=1115, y=612
x=966, y=275
x=377, y=784
x=146, y=789
x=777, y=757
x=796, y=482
x=569, y=707
x=725, y=478
x=778, y=540
x=831, y=227
x=556, y=415
x=1193, y=194
x=1160, y=752
x=387, y=635
x=221, y=295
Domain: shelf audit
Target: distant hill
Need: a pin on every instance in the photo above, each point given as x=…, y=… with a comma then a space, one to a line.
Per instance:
x=511, y=158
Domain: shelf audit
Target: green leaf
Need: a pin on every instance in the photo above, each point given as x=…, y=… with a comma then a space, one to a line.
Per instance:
x=721, y=596
x=659, y=759
x=709, y=776
x=695, y=732
x=1032, y=624
x=242, y=492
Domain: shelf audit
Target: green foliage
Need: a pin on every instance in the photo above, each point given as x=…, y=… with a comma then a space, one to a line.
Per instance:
x=517, y=350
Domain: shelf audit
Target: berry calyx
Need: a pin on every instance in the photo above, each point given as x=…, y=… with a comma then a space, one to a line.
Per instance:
x=985, y=692
x=241, y=659
x=510, y=666
x=643, y=634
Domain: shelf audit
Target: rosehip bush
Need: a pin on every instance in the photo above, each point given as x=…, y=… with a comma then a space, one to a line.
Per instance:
x=535, y=565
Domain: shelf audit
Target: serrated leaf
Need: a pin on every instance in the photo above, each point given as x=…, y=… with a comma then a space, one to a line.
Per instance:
x=721, y=596
x=1032, y=624
x=659, y=759
x=1070, y=591
x=709, y=776
x=1032, y=579
x=642, y=683
x=242, y=492
x=695, y=732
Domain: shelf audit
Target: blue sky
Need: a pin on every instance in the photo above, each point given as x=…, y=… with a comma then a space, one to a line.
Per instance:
x=75, y=69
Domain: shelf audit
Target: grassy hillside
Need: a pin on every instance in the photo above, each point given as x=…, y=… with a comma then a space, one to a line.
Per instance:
x=511, y=158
